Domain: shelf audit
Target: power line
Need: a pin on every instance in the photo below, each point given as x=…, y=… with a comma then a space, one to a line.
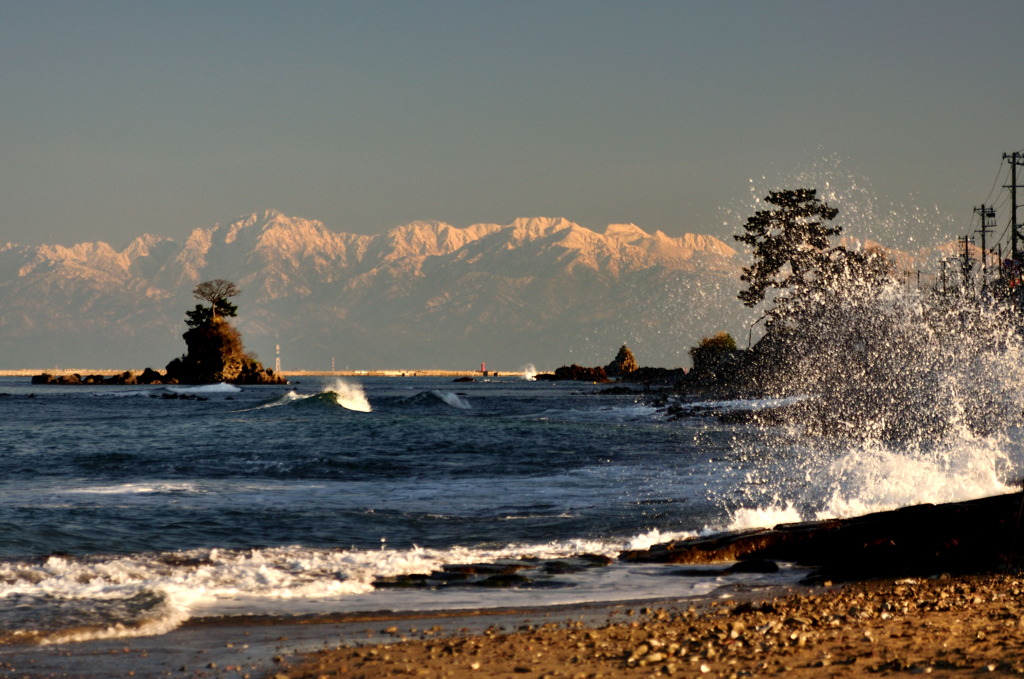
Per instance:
x=1005, y=231
x=999, y=174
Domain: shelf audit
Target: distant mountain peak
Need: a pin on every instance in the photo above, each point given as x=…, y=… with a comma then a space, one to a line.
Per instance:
x=625, y=232
x=426, y=293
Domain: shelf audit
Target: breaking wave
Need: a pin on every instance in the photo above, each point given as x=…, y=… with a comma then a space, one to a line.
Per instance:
x=349, y=396
x=142, y=594
x=436, y=397
x=339, y=393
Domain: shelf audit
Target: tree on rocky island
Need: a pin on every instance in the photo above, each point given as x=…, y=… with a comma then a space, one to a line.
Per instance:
x=217, y=292
x=215, y=349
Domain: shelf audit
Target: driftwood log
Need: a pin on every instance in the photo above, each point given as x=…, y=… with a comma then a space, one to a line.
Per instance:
x=961, y=537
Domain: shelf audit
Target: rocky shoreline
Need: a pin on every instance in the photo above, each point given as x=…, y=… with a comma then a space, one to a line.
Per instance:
x=258, y=375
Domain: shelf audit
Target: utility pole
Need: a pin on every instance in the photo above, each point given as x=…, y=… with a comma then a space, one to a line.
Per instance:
x=1015, y=160
x=965, y=260
x=988, y=218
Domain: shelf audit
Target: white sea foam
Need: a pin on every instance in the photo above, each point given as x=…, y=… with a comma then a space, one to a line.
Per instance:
x=766, y=517
x=529, y=371
x=168, y=618
x=655, y=537
x=217, y=581
x=133, y=489
x=220, y=388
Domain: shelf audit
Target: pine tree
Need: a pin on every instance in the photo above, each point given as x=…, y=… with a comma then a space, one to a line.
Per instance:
x=789, y=243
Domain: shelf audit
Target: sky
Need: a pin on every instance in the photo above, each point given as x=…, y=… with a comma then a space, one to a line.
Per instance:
x=124, y=118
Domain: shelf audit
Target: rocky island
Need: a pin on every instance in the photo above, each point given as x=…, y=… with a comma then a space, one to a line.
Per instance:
x=215, y=350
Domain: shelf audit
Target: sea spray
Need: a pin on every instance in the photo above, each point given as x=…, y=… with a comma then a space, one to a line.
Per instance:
x=349, y=396
x=792, y=476
x=912, y=393
x=875, y=477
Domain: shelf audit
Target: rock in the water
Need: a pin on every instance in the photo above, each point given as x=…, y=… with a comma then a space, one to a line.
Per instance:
x=959, y=537
x=215, y=354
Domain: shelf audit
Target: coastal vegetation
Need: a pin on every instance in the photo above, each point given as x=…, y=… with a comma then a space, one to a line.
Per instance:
x=712, y=356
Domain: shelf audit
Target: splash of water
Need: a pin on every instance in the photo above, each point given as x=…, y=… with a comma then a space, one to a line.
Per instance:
x=804, y=478
x=867, y=215
x=529, y=371
x=913, y=392
x=884, y=362
x=349, y=396
x=874, y=477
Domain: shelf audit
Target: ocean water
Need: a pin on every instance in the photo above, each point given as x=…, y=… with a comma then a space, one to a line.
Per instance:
x=126, y=511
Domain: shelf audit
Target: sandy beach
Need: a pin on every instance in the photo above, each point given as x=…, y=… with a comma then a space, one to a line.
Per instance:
x=944, y=626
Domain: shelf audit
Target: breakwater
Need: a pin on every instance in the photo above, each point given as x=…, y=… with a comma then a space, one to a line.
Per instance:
x=29, y=372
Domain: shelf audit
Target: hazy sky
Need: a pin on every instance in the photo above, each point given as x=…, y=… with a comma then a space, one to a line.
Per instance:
x=122, y=118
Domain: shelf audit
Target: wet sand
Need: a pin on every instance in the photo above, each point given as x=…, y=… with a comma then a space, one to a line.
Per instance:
x=254, y=646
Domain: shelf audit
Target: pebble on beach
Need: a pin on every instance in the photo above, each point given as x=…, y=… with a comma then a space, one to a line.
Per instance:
x=965, y=624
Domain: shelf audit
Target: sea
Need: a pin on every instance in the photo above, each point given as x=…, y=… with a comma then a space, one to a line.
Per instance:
x=130, y=510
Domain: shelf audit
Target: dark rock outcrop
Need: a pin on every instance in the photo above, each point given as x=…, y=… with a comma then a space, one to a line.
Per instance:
x=961, y=537
x=150, y=376
x=147, y=376
x=216, y=354
x=576, y=373
x=529, y=573
x=623, y=364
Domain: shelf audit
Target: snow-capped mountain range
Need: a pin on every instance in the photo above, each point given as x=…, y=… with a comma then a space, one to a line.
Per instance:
x=425, y=295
